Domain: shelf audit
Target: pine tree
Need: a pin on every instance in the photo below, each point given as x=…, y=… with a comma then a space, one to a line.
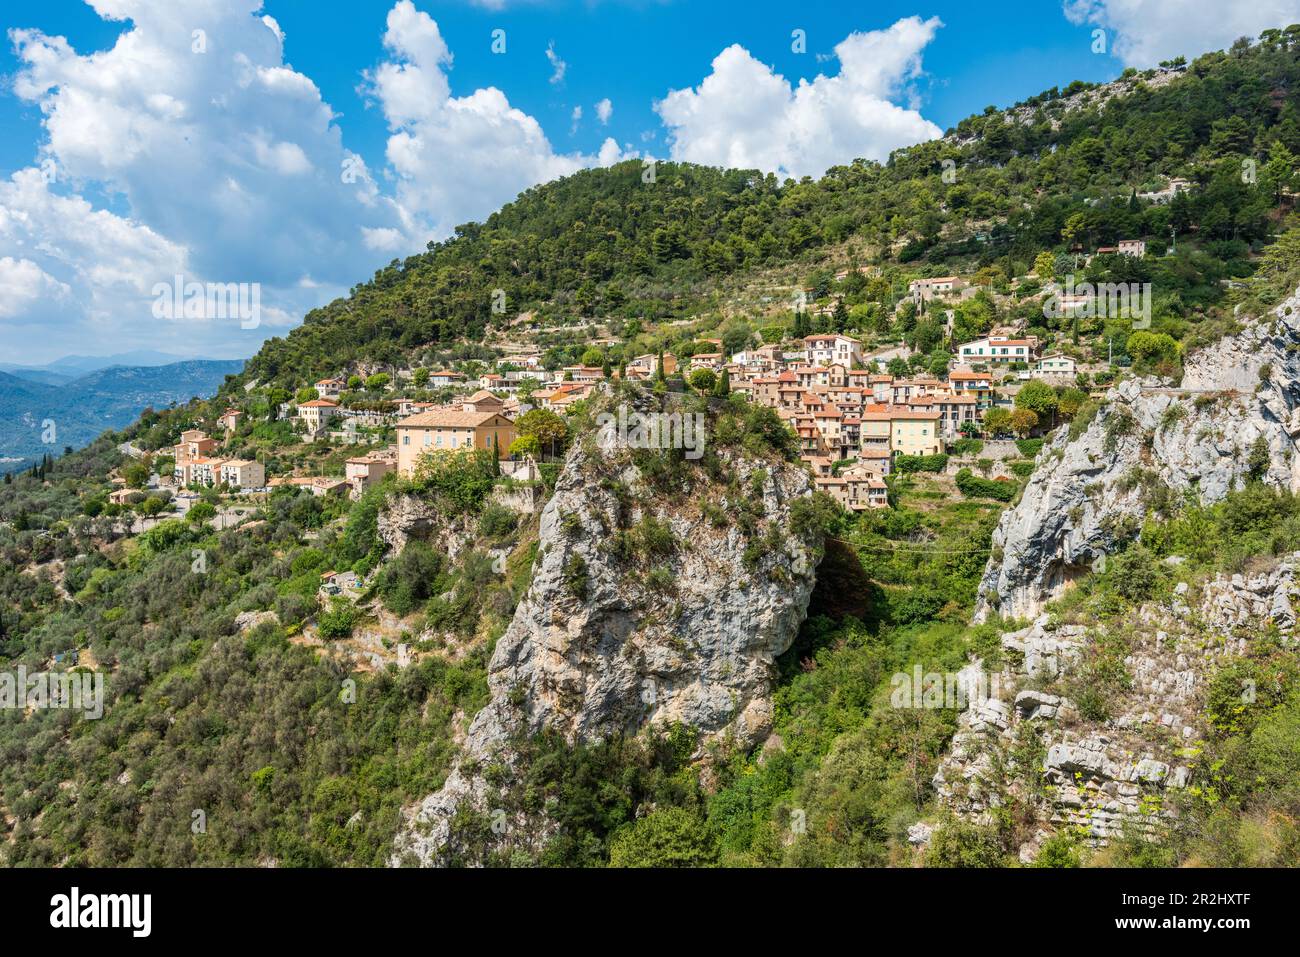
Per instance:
x=800, y=325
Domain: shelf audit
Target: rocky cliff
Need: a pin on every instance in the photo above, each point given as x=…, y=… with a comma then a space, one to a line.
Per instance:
x=644, y=608
x=1237, y=410
x=1030, y=745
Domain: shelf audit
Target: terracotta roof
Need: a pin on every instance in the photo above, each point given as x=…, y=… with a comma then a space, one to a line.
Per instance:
x=318, y=404
x=441, y=418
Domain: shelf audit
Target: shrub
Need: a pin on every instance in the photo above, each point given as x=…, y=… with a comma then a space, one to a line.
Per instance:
x=921, y=463
x=410, y=578
x=575, y=576
x=959, y=844
x=667, y=837
x=973, y=487
x=463, y=477
x=337, y=623
x=496, y=521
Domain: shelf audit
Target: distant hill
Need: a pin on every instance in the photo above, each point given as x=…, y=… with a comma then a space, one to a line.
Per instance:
x=82, y=408
x=71, y=367
x=42, y=376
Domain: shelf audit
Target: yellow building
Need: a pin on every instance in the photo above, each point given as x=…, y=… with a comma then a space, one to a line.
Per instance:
x=449, y=429
x=914, y=432
x=876, y=432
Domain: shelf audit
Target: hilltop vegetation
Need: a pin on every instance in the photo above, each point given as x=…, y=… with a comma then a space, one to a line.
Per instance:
x=992, y=196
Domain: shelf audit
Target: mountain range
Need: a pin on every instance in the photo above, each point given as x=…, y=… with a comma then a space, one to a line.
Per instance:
x=70, y=410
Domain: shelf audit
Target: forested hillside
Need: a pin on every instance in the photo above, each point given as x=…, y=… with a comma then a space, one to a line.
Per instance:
x=1041, y=176
x=286, y=719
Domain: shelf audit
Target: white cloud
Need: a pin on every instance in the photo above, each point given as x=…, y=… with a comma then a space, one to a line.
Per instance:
x=74, y=275
x=23, y=283
x=611, y=153
x=1148, y=31
x=230, y=163
x=558, y=66
x=745, y=115
x=604, y=110
x=576, y=117
x=456, y=158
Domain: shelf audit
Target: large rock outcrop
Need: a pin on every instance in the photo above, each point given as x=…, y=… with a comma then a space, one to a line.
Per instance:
x=1088, y=493
x=1026, y=741
x=644, y=608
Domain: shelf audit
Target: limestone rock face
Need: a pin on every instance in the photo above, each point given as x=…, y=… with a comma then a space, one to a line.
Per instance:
x=1088, y=494
x=1028, y=742
x=608, y=641
x=405, y=517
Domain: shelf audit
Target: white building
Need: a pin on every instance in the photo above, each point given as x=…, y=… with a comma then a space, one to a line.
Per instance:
x=833, y=349
x=316, y=414
x=996, y=350
x=1056, y=364
x=923, y=290
x=243, y=473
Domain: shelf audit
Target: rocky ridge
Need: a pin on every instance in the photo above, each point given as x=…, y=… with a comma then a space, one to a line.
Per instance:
x=1029, y=744
x=609, y=639
x=1089, y=493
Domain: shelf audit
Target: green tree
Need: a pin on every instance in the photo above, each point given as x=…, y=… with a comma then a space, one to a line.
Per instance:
x=704, y=380
x=546, y=427
x=997, y=420
x=136, y=474
x=667, y=837
x=1037, y=396
x=1150, y=348
x=1045, y=266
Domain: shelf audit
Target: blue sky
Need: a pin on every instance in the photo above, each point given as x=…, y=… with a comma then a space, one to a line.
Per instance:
x=218, y=158
x=629, y=52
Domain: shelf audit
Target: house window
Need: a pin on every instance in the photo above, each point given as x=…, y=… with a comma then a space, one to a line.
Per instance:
x=406, y=439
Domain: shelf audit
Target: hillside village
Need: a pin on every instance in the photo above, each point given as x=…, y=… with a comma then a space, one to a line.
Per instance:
x=858, y=412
